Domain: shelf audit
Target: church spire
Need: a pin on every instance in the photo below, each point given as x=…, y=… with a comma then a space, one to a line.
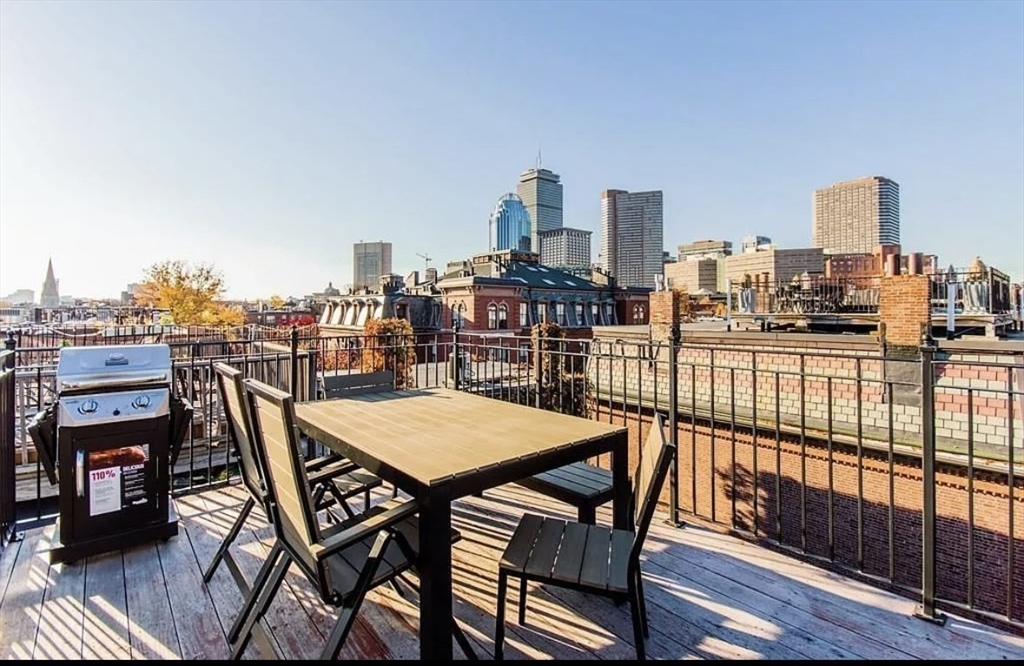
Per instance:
x=51, y=296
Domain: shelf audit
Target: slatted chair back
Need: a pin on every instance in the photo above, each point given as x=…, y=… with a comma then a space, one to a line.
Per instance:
x=240, y=429
x=292, y=508
x=655, y=460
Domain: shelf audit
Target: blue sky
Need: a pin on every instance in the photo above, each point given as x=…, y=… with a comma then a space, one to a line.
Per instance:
x=266, y=138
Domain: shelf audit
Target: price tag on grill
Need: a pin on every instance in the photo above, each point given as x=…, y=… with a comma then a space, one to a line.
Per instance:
x=104, y=490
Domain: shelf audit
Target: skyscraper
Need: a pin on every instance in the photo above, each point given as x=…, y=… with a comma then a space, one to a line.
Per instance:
x=541, y=192
x=632, y=236
x=509, y=225
x=566, y=249
x=51, y=294
x=370, y=262
x=857, y=215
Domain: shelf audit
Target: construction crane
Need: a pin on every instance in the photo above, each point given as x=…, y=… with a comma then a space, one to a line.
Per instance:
x=426, y=259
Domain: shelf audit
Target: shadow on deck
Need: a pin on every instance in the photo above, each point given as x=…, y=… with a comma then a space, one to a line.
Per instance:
x=709, y=596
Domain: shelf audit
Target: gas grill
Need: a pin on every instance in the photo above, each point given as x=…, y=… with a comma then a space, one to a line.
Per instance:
x=109, y=442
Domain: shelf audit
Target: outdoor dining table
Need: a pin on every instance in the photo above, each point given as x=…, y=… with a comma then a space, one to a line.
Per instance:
x=439, y=445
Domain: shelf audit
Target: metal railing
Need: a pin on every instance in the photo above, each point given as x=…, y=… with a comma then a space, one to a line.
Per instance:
x=975, y=292
x=8, y=508
x=813, y=294
x=863, y=463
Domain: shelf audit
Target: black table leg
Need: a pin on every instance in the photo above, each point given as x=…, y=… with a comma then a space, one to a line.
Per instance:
x=436, y=578
x=622, y=493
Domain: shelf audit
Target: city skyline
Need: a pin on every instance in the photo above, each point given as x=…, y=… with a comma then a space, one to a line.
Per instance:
x=246, y=149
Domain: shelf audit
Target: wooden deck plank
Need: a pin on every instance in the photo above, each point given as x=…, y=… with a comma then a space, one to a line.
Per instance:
x=709, y=595
x=62, y=612
x=835, y=599
x=105, y=624
x=151, y=630
x=8, y=556
x=24, y=596
x=208, y=522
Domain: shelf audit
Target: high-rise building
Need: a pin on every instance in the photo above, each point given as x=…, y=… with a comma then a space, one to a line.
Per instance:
x=857, y=216
x=541, y=193
x=705, y=249
x=370, y=261
x=51, y=291
x=566, y=249
x=509, y=225
x=632, y=235
x=755, y=243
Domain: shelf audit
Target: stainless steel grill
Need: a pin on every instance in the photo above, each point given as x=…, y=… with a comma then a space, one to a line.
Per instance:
x=109, y=441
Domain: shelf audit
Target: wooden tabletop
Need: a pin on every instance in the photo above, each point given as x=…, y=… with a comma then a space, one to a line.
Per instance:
x=435, y=435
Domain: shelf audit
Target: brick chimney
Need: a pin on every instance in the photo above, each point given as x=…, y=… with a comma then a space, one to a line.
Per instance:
x=904, y=310
x=665, y=307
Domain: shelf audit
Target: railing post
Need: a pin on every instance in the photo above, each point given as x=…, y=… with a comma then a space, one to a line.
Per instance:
x=456, y=356
x=673, y=415
x=728, y=305
x=926, y=609
x=295, y=363
x=9, y=345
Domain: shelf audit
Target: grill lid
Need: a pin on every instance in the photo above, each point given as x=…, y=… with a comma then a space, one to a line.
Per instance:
x=112, y=366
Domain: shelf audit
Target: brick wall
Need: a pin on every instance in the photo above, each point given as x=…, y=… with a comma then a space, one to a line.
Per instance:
x=780, y=491
x=904, y=308
x=848, y=386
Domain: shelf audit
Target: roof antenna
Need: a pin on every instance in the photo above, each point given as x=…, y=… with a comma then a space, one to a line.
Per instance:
x=538, y=159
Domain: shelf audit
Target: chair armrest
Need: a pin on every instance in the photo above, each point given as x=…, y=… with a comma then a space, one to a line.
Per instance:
x=364, y=528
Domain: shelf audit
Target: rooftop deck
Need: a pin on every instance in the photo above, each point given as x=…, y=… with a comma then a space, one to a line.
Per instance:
x=709, y=596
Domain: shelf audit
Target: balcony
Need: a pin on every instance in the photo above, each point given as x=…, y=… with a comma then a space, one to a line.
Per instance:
x=710, y=596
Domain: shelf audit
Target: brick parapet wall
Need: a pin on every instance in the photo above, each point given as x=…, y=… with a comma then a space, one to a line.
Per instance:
x=727, y=375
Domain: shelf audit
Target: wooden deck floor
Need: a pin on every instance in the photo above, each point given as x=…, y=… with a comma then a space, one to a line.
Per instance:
x=709, y=596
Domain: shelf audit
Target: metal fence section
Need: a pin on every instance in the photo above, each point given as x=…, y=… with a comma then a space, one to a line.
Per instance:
x=906, y=472
x=8, y=509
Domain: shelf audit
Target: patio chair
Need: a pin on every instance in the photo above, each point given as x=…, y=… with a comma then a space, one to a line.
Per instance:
x=343, y=562
x=332, y=480
x=586, y=557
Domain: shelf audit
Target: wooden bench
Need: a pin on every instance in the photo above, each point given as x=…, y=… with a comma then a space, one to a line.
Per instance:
x=357, y=383
x=580, y=484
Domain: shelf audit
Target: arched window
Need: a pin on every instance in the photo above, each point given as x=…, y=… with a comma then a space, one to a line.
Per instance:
x=639, y=312
x=492, y=316
x=502, y=316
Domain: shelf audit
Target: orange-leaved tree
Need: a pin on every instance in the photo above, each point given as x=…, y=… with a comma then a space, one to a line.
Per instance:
x=189, y=293
x=560, y=375
x=390, y=344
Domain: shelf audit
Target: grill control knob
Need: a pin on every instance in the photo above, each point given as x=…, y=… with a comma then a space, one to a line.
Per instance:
x=88, y=407
x=141, y=402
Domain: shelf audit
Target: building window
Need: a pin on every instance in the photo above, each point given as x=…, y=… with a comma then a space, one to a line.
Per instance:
x=560, y=313
x=579, y=315
x=542, y=313
x=502, y=316
x=492, y=316
x=638, y=314
x=595, y=313
x=524, y=317
x=609, y=314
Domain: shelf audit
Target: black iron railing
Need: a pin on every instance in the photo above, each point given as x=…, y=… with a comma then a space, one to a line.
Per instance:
x=905, y=472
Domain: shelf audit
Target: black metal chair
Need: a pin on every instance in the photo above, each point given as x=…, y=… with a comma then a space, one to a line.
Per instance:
x=342, y=562
x=586, y=557
x=332, y=480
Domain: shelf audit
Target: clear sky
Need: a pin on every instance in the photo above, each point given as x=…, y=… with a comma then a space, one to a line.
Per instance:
x=266, y=138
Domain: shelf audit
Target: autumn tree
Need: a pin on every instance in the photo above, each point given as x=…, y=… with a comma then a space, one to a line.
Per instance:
x=390, y=344
x=188, y=292
x=276, y=302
